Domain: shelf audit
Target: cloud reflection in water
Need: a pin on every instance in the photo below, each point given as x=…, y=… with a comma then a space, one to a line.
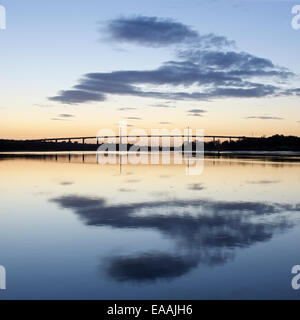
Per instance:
x=207, y=232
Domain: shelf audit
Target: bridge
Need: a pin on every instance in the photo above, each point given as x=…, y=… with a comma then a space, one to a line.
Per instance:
x=121, y=137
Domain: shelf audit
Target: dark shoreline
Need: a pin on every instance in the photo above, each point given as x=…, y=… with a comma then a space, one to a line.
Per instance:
x=263, y=145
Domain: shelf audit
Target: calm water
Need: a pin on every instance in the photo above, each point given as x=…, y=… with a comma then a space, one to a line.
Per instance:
x=74, y=230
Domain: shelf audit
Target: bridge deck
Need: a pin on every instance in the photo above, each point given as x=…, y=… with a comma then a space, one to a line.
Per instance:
x=143, y=136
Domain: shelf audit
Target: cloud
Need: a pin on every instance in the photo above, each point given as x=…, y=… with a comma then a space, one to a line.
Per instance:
x=264, y=118
x=150, y=266
x=150, y=31
x=155, y=266
x=291, y=92
x=195, y=115
x=133, y=118
x=66, y=115
x=264, y=182
x=126, y=109
x=204, y=231
x=161, y=32
x=57, y=119
x=207, y=83
x=196, y=112
x=94, y=87
x=234, y=217
x=204, y=68
x=63, y=117
x=237, y=63
x=161, y=105
x=77, y=96
x=66, y=183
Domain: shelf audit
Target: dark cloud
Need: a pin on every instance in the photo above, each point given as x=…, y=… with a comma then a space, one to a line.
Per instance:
x=207, y=232
x=235, y=217
x=149, y=267
x=150, y=31
x=161, y=32
x=63, y=117
x=196, y=112
x=237, y=63
x=204, y=68
x=291, y=92
x=78, y=202
x=212, y=83
x=154, y=266
x=264, y=118
x=77, y=96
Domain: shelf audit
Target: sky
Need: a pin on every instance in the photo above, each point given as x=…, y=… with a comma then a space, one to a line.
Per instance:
x=71, y=68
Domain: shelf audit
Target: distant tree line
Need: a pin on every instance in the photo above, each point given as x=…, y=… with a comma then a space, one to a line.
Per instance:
x=274, y=143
